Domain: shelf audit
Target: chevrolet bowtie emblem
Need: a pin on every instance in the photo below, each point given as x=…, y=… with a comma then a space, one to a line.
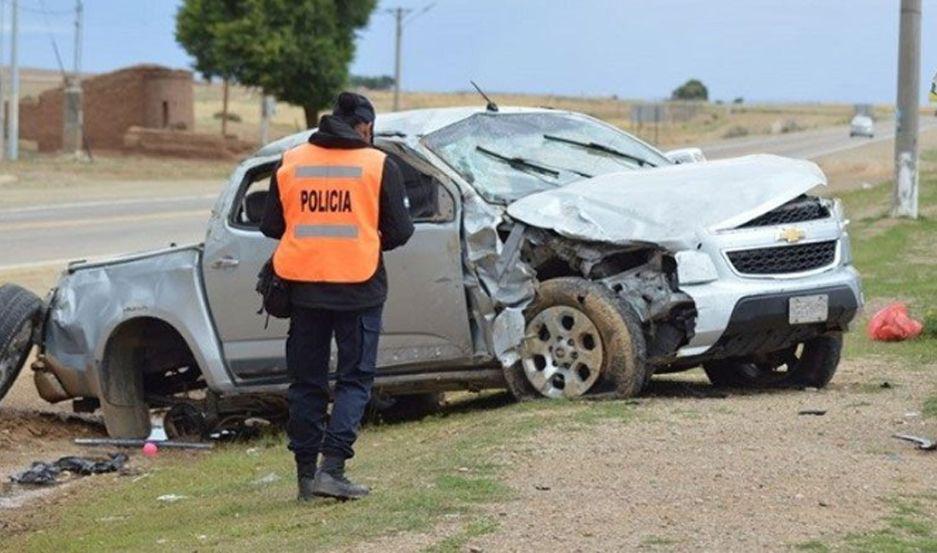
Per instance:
x=792, y=235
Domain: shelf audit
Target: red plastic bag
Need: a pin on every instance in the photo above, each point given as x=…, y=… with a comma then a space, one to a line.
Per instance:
x=893, y=324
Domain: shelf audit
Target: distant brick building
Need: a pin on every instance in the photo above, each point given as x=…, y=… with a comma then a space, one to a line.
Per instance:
x=148, y=96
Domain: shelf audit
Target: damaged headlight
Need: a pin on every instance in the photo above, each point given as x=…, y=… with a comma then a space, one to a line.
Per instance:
x=694, y=267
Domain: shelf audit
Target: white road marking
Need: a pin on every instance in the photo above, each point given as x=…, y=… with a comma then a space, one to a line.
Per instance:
x=70, y=223
x=106, y=203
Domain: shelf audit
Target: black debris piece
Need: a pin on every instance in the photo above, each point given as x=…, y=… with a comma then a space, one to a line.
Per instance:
x=41, y=473
x=886, y=385
x=815, y=412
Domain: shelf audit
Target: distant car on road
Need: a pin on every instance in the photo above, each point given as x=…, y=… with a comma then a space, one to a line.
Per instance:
x=554, y=255
x=862, y=125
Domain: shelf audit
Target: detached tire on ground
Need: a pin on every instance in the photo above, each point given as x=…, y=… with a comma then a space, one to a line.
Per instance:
x=19, y=315
x=811, y=364
x=581, y=339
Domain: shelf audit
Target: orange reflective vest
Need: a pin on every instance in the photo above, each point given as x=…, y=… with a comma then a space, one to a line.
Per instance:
x=331, y=200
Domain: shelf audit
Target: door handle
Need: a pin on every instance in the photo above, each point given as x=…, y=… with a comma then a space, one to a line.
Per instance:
x=226, y=262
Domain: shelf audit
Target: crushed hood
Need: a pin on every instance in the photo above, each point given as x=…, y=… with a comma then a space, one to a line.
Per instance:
x=670, y=205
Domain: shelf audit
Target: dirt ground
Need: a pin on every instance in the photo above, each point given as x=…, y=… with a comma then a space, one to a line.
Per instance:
x=699, y=471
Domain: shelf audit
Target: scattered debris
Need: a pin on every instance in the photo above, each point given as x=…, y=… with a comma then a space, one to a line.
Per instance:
x=266, y=480
x=130, y=442
x=542, y=488
x=171, y=498
x=893, y=324
x=922, y=443
x=45, y=474
x=815, y=412
x=886, y=385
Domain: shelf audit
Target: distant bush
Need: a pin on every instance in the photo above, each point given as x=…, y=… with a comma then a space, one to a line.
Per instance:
x=735, y=132
x=233, y=117
x=791, y=125
x=738, y=100
x=382, y=82
x=693, y=89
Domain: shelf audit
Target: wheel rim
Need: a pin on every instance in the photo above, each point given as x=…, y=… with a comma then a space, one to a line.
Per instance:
x=562, y=353
x=16, y=350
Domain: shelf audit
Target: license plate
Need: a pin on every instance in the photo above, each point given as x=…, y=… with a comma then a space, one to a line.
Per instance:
x=809, y=309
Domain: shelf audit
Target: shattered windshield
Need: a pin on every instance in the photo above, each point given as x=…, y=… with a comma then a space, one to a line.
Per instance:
x=509, y=156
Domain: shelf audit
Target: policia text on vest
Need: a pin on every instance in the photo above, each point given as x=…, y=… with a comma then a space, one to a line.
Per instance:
x=325, y=200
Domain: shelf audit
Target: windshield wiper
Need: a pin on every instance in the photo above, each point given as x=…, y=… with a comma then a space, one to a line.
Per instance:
x=517, y=162
x=600, y=148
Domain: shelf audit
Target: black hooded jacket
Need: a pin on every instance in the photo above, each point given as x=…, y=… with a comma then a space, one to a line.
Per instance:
x=394, y=225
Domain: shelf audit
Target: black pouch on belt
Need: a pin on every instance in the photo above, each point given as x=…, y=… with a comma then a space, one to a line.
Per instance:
x=275, y=292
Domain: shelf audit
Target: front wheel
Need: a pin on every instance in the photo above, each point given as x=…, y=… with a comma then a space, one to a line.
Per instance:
x=580, y=339
x=811, y=364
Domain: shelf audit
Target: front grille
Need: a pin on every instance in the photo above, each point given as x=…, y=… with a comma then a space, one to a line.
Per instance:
x=784, y=259
x=802, y=208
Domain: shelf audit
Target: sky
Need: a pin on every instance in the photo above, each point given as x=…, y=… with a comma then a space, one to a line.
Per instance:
x=761, y=50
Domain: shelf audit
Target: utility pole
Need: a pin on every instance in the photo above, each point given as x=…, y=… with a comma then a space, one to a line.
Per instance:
x=73, y=130
x=3, y=88
x=399, y=14
x=13, y=141
x=79, y=16
x=225, y=86
x=904, y=196
x=267, y=108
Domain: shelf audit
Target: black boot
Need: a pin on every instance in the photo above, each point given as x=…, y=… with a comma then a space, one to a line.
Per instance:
x=305, y=478
x=330, y=481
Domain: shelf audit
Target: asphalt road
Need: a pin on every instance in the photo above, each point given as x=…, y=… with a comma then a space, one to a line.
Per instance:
x=806, y=144
x=52, y=235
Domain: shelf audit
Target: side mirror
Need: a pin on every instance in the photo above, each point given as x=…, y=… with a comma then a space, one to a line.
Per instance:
x=685, y=155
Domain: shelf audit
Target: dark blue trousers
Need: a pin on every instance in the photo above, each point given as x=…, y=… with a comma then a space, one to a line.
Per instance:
x=308, y=347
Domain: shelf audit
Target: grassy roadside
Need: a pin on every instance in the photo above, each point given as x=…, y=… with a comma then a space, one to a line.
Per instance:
x=240, y=498
x=437, y=473
x=898, y=263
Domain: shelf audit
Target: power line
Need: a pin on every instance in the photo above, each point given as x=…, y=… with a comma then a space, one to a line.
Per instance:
x=399, y=14
x=41, y=10
x=55, y=45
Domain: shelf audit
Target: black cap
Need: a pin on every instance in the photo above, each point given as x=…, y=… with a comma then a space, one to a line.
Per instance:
x=354, y=107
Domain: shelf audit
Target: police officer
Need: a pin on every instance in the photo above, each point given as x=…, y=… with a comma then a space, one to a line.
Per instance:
x=335, y=203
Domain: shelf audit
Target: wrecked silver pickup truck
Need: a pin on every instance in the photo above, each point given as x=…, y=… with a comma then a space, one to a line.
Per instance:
x=554, y=255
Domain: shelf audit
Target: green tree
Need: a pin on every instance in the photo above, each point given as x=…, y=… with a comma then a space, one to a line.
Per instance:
x=196, y=24
x=297, y=50
x=693, y=89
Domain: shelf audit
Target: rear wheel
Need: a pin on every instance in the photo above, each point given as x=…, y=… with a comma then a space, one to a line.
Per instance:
x=19, y=315
x=580, y=339
x=812, y=364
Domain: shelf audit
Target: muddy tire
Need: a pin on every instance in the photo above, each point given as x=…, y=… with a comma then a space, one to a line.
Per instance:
x=581, y=339
x=811, y=364
x=19, y=316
